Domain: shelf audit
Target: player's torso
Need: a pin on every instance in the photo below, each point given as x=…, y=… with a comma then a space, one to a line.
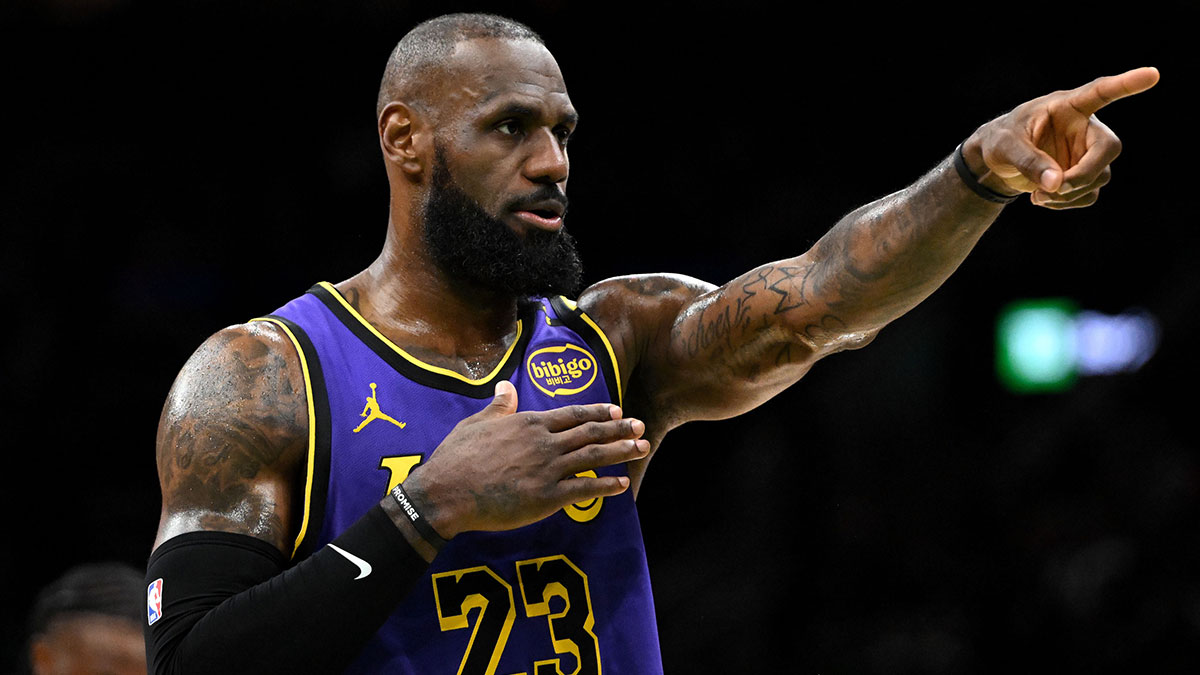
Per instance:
x=569, y=594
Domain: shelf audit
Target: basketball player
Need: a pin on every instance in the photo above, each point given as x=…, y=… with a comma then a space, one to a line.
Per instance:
x=431, y=467
x=88, y=622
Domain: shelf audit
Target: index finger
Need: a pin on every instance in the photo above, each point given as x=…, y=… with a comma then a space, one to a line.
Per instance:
x=567, y=417
x=1100, y=92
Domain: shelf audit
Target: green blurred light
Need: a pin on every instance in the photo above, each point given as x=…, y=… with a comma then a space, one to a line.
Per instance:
x=1035, y=346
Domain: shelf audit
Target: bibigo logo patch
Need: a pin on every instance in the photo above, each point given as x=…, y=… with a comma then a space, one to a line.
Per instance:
x=561, y=371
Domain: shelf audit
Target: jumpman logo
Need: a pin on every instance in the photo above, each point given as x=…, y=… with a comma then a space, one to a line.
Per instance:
x=372, y=412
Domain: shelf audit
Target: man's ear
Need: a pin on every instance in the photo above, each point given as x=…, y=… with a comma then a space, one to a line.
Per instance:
x=403, y=137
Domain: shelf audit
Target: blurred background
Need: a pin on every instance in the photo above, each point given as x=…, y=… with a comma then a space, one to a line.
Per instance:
x=172, y=168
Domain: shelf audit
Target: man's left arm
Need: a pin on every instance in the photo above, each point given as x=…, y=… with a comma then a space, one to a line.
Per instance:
x=689, y=350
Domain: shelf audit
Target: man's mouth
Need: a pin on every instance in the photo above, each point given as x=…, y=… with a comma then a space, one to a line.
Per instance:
x=546, y=214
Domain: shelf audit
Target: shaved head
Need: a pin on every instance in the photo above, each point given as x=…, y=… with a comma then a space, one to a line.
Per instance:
x=423, y=55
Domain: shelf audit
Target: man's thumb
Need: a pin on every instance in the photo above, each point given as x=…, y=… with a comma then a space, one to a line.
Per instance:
x=505, y=401
x=1038, y=167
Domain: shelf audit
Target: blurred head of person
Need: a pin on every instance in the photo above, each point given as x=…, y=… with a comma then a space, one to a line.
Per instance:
x=88, y=622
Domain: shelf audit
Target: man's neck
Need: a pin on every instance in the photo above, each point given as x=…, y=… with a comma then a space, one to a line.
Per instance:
x=406, y=297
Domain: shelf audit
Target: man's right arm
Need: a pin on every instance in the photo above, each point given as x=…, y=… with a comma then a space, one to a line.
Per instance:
x=232, y=439
x=232, y=448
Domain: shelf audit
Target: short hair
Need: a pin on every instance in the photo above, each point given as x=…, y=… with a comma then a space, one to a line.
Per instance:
x=425, y=51
x=108, y=589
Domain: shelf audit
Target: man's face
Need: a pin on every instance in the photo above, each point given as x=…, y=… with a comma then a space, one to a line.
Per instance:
x=495, y=207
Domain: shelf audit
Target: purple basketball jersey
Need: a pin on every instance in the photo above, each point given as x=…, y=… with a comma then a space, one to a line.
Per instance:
x=569, y=594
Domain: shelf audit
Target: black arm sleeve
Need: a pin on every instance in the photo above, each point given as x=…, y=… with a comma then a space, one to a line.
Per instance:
x=229, y=606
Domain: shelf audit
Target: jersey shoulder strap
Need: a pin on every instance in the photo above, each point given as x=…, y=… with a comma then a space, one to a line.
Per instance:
x=572, y=316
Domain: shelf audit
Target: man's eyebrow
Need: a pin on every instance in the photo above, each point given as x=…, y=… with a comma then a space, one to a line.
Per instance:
x=514, y=109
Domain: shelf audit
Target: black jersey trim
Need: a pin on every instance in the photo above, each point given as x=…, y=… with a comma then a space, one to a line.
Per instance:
x=416, y=370
x=316, y=474
x=578, y=320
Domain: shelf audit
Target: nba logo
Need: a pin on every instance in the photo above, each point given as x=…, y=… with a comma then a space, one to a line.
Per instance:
x=154, y=601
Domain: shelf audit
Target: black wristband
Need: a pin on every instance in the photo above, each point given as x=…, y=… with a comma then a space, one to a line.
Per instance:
x=426, y=530
x=964, y=172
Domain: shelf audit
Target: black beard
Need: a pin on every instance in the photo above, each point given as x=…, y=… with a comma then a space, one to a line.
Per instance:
x=471, y=246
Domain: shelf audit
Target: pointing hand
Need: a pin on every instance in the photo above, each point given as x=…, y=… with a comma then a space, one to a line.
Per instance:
x=1054, y=147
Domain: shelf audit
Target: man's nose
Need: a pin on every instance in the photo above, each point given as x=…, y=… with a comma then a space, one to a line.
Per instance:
x=547, y=162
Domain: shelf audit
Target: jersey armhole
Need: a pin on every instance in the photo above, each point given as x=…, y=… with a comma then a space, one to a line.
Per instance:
x=316, y=470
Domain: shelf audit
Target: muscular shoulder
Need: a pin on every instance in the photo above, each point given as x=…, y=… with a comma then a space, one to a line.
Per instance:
x=641, y=293
x=636, y=310
x=232, y=437
x=638, y=314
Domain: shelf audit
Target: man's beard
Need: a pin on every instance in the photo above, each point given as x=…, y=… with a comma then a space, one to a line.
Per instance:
x=473, y=247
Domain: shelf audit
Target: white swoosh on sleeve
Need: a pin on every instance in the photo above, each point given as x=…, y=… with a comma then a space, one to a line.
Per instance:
x=364, y=567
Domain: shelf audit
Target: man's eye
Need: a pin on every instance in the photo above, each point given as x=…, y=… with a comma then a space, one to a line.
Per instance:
x=509, y=128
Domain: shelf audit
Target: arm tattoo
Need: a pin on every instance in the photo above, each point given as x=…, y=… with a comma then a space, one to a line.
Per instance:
x=707, y=353
x=875, y=264
x=883, y=259
x=743, y=310
x=232, y=435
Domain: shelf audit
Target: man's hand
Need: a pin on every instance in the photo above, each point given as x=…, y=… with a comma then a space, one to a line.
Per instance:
x=500, y=469
x=1053, y=147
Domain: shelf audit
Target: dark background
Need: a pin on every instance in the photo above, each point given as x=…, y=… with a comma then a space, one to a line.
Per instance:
x=172, y=168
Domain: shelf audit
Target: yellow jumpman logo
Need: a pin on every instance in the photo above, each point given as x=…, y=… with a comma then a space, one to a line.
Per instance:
x=372, y=407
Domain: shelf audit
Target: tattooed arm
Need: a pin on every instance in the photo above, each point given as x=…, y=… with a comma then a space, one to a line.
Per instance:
x=689, y=350
x=232, y=438
x=223, y=594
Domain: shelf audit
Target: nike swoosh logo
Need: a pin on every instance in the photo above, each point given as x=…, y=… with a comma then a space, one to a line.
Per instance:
x=364, y=567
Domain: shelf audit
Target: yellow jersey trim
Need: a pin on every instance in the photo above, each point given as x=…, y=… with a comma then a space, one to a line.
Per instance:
x=414, y=360
x=612, y=356
x=312, y=431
